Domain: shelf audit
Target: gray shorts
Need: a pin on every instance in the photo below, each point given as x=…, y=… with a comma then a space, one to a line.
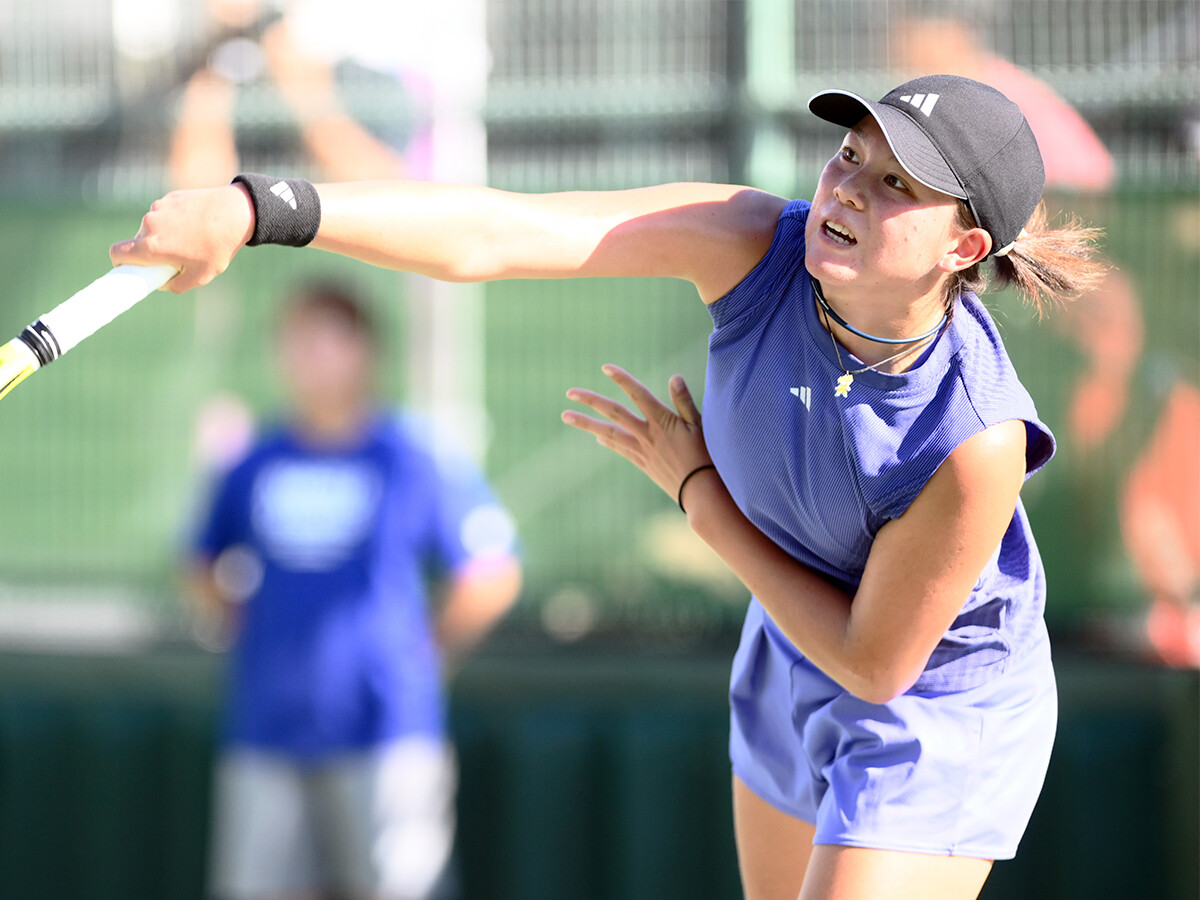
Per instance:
x=373, y=824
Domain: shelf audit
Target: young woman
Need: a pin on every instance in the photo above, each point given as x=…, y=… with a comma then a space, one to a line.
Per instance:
x=864, y=445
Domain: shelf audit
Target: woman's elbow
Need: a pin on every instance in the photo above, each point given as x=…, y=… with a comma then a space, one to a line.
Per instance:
x=465, y=270
x=881, y=684
x=877, y=693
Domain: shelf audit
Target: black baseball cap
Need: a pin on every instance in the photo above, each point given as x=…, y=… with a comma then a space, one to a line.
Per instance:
x=960, y=137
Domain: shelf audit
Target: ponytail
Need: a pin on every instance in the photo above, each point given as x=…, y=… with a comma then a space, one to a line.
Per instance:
x=1048, y=266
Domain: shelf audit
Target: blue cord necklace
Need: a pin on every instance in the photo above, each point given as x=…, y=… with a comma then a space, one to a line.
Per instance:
x=846, y=379
x=829, y=311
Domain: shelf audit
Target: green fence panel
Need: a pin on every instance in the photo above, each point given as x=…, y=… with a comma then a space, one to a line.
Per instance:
x=671, y=836
x=40, y=824
x=599, y=776
x=553, y=790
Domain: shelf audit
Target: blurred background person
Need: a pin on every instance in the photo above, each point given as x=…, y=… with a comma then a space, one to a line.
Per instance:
x=1160, y=519
x=335, y=778
x=304, y=50
x=1157, y=493
x=348, y=90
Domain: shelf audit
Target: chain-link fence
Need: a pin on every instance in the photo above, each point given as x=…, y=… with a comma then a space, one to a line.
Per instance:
x=585, y=94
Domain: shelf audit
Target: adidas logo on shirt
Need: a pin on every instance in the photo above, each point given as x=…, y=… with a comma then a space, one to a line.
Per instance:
x=923, y=102
x=283, y=192
x=805, y=395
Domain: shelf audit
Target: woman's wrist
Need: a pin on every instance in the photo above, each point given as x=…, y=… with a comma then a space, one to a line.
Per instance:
x=242, y=212
x=287, y=211
x=696, y=490
x=688, y=477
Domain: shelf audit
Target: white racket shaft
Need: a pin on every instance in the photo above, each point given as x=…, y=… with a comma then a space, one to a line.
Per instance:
x=114, y=292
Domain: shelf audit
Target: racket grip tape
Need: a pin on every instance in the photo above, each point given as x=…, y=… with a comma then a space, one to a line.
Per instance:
x=95, y=306
x=75, y=319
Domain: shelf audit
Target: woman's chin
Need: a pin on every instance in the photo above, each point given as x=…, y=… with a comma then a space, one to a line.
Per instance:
x=828, y=271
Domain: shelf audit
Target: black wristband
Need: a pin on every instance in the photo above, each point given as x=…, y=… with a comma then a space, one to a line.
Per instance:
x=679, y=496
x=287, y=211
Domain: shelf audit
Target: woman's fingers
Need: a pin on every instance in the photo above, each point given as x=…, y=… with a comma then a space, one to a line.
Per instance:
x=198, y=232
x=665, y=445
x=607, y=407
x=607, y=435
x=682, y=398
x=590, y=424
x=642, y=397
x=654, y=409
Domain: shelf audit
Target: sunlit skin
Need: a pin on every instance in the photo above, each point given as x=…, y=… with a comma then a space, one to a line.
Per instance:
x=889, y=281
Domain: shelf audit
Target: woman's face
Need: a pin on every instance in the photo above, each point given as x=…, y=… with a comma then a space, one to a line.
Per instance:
x=873, y=226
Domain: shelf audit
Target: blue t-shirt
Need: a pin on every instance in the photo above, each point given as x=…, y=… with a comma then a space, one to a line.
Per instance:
x=335, y=649
x=821, y=474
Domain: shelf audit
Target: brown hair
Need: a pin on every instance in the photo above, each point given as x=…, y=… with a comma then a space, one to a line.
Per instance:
x=335, y=302
x=1048, y=266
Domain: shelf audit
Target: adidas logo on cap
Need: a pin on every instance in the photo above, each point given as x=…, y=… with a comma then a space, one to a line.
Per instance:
x=923, y=102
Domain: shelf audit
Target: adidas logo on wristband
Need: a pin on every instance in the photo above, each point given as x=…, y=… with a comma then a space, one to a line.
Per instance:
x=272, y=225
x=281, y=190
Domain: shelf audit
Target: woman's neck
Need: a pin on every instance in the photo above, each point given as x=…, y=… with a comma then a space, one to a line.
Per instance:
x=898, y=323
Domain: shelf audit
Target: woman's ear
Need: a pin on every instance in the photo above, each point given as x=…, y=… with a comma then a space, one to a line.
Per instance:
x=970, y=247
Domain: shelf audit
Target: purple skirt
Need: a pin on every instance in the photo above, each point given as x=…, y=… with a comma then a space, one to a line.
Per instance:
x=949, y=773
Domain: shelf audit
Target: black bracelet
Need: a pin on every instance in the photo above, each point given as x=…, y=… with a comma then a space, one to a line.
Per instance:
x=287, y=211
x=679, y=498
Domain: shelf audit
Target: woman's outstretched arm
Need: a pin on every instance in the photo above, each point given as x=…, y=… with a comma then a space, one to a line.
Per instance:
x=710, y=235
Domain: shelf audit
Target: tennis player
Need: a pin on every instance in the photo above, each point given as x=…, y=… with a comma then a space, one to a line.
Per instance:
x=859, y=466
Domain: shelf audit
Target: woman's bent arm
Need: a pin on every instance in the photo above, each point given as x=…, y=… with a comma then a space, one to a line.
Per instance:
x=920, y=570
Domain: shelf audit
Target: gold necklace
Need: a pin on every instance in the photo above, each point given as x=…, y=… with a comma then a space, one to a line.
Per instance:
x=846, y=379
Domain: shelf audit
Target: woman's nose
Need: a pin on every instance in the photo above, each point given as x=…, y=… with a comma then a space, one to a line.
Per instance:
x=847, y=192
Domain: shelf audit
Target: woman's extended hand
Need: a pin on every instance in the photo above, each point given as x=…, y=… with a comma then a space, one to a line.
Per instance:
x=666, y=445
x=197, y=232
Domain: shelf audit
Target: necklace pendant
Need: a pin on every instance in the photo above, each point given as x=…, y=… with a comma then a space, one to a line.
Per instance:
x=843, y=384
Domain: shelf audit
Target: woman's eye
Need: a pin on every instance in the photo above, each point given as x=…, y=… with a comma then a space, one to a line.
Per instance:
x=897, y=182
x=849, y=155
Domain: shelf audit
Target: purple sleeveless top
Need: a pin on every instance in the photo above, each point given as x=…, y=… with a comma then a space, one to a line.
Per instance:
x=820, y=474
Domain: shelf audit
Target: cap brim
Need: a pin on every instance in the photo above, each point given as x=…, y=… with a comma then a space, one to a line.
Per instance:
x=910, y=145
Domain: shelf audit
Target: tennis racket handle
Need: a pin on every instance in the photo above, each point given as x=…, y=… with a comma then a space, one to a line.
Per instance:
x=92, y=308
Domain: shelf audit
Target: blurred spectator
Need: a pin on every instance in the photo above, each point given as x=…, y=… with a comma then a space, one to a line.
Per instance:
x=1161, y=522
x=1107, y=324
x=1160, y=506
x=335, y=778
x=301, y=53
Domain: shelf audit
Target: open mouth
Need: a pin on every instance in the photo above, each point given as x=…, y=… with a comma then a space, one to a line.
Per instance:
x=839, y=234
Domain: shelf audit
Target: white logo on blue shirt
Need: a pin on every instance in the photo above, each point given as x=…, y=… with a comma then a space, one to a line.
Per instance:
x=805, y=395
x=313, y=515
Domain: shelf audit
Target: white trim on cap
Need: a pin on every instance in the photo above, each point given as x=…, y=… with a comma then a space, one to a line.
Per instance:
x=883, y=127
